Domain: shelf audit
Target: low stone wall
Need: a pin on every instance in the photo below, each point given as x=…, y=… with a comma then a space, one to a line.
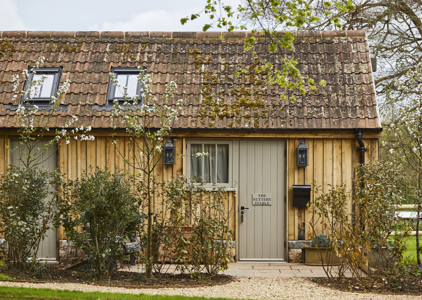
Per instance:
x=296, y=250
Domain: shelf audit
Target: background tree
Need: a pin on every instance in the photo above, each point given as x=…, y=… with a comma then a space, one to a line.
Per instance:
x=266, y=18
x=394, y=32
x=404, y=135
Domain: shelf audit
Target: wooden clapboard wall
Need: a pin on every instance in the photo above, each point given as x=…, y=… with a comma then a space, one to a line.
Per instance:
x=330, y=162
x=4, y=153
x=77, y=157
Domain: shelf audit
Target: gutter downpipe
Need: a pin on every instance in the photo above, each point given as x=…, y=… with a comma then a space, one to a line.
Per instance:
x=362, y=151
x=362, y=148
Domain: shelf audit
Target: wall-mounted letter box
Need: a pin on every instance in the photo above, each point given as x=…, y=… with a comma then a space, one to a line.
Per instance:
x=301, y=195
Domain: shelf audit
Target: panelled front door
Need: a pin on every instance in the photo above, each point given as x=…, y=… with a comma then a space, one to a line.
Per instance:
x=261, y=199
x=48, y=246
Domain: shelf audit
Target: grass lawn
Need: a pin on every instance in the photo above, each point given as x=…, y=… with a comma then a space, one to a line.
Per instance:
x=27, y=293
x=411, y=248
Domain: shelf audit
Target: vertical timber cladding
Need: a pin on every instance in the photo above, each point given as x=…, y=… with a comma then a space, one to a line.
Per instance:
x=261, y=185
x=331, y=161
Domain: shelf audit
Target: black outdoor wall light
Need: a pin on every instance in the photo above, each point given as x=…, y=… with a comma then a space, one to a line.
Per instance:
x=302, y=155
x=169, y=153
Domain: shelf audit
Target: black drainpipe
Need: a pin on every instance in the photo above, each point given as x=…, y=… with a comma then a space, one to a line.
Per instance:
x=362, y=151
x=362, y=148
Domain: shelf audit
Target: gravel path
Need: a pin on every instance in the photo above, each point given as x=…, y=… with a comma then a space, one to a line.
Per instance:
x=241, y=288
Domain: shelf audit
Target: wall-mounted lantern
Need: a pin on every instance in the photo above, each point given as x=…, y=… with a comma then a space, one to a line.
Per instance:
x=302, y=155
x=169, y=153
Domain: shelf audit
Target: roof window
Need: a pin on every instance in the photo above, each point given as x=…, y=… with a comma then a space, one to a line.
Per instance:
x=127, y=88
x=43, y=84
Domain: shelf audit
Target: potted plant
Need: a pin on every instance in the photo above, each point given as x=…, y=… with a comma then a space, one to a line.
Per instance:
x=321, y=252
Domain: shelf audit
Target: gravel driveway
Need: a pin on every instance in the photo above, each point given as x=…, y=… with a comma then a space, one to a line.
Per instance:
x=241, y=288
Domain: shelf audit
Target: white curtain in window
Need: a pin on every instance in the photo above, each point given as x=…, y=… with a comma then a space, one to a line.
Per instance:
x=209, y=163
x=211, y=168
x=223, y=163
x=195, y=162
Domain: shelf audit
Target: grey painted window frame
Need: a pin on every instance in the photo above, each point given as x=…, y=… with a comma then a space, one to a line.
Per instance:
x=43, y=101
x=189, y=142
x=111, y=91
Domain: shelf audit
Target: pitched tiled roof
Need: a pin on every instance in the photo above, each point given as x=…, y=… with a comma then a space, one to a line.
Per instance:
x=202, y=64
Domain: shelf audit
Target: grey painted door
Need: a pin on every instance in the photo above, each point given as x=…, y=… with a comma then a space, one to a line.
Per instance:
x=48, y=246
x=261, y=174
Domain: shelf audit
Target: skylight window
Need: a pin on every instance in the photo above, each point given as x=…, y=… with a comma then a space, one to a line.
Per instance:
x=41, y=84
x=127, y=86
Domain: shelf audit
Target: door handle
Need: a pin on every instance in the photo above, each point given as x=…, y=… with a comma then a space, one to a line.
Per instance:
x=242, y=213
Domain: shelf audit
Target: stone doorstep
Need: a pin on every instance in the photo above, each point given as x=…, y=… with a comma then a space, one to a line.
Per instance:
x=285, y=267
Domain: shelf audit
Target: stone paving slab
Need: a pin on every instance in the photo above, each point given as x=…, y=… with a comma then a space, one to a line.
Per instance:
x=263, y=269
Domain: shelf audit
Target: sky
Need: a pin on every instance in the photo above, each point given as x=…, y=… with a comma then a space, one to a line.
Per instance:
x=104, y=15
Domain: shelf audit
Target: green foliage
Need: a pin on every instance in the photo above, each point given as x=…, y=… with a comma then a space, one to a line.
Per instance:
x=211, y=236
x=266, y=17
x=148, y=122
x=5, y=277
x=402, y=140
x=192, y=230
x=321, y=240
x=362, y=241
x=329, y=213
x=99, y=212
x=27, y=210
x=377, y=193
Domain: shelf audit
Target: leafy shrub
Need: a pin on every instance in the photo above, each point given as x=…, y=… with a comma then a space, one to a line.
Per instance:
x=99, y=212
x=27, y=210
x=329, y=213
x=192, y=229
x=321, y=240
x=362, y=241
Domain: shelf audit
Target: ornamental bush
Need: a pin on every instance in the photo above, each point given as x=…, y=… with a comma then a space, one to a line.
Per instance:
x=192, y=229
x=27, y=211
x=99, y=213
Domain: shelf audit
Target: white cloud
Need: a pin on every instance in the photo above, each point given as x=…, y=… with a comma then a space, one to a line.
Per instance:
x=9, y=17
x=155, y=20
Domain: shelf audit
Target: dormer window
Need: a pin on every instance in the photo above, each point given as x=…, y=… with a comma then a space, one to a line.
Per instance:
x=127, y=86
x=48, y=79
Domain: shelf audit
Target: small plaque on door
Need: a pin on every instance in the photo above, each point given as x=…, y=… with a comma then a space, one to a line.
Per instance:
x=261, y=199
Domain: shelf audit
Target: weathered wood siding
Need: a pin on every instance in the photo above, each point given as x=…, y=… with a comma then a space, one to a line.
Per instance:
x=332, y=158
x=77, y=157
x=331, y=161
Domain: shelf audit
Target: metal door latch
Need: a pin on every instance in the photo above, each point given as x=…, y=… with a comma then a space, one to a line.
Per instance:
x=242, y=213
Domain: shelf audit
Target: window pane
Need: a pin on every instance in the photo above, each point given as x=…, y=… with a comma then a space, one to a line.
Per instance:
x=223, y=163
x=209, y=163
x=195, y=162
x=132, y=84
x=43, y=91
x=121, y=83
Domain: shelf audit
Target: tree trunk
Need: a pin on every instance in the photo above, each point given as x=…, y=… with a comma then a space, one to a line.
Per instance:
x=148, y=269
x=419, y=205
